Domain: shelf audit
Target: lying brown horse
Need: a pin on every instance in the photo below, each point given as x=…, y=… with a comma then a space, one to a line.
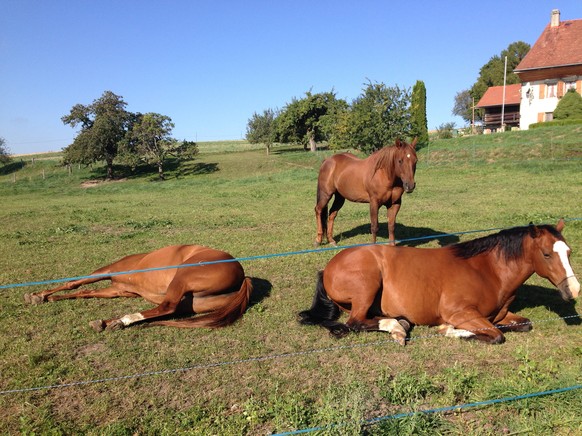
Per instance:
x=465, y=288
x=218, y=290
x=380, y=180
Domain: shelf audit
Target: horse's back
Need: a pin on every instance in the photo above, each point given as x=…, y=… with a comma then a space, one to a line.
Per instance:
x=155, y=283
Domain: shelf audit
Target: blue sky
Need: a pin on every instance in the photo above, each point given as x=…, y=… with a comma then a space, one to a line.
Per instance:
x=210, y=64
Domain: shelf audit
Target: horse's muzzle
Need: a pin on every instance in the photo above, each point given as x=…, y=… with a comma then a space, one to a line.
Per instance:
x=409, y=187
x=569, y=288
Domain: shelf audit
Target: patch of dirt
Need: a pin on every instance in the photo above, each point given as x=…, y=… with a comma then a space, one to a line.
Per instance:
x=94, y=183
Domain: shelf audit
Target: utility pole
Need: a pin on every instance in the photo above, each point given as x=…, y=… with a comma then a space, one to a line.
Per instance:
x=503, y=102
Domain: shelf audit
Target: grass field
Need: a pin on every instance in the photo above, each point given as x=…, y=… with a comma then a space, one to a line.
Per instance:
x=268, y=374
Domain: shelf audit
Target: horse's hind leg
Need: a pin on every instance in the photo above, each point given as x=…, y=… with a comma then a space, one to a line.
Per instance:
x=338, y=202
x=398, y=328
x=321, y=216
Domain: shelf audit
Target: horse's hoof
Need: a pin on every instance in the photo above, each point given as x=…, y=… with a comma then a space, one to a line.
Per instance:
x=97, y=325
x=115, y=325
x=399, y=338
x=405, y=324
x=33, y=299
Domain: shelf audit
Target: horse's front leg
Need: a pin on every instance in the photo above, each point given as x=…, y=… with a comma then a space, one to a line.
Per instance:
x=392, y=212
x=514, y=323
x=473, y=325
x=374, y=226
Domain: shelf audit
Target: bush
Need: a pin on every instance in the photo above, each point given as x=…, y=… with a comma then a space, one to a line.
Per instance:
x=554, y=123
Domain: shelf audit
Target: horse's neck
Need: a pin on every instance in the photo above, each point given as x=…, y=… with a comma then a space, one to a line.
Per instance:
x=382, y=160
x=511, y=274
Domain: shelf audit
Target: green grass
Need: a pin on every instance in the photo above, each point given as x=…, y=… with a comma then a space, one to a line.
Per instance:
x=54, y=224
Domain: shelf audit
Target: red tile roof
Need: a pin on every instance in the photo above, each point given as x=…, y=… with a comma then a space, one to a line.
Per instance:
x=494, y=96
x=557, y=46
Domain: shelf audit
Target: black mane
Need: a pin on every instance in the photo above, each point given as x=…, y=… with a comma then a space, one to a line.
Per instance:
x=509, y=242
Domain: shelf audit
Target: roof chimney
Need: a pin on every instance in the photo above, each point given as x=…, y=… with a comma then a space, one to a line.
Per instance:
x=555, y=19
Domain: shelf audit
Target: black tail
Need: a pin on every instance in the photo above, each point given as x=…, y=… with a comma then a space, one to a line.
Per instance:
x=323, y=312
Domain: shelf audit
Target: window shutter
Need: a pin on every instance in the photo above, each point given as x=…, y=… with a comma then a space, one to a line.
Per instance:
x=541, y=117
x=542, y=91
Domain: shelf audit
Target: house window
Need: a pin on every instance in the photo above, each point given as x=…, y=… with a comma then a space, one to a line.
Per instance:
x=551, y=90
x=548, y=116
x=569, y=85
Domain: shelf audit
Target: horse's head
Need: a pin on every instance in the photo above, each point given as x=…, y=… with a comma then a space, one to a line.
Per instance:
x=405, y=163
x=551, y=259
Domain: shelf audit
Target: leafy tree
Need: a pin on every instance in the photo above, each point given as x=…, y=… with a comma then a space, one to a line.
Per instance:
x=464, y=105
x=4, y=154
x=491, y=74
x=379, y=116
x=261, y=128
x=445, y=130
x=103, y=126
x=569, y=106
x=150, y=140
x=419, y=128
x=308, y=120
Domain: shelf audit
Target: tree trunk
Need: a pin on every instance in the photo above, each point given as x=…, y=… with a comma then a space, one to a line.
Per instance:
x=312, y=143
x=161, y=170
x=109, y=168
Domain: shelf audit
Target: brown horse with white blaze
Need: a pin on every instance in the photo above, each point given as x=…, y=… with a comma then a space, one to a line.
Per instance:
x=217, y=289
x=465, y=289
x=379, y=180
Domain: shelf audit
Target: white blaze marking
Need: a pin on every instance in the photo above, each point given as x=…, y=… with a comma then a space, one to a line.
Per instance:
x=130, y=319
x=561, y=248
x=408, y=156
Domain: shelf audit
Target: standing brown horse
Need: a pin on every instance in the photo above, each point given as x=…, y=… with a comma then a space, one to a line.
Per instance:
x=219, y=290
x=465, y=288
x=380, y=180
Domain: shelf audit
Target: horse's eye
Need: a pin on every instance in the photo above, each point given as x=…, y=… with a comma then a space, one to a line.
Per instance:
x=400, y=161
x=547, y=256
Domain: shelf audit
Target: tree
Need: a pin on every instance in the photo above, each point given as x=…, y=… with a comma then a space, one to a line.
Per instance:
x=418, y=121
x=4, y=154
x=104, y=125
x=308, y=120
x=149, y=139
x=379, y=116
x=261, y=128
x=464, y=106
x=492, y=73
x=569, y=106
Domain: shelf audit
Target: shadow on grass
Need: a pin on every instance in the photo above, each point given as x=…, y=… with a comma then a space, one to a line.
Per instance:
x=529, y=296
x=11, y=167
x=409, y=235
x=261, y=290
x=173, y=168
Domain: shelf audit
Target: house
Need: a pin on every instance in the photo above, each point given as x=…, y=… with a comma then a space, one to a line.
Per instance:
x=552, y=67
x=495, y=107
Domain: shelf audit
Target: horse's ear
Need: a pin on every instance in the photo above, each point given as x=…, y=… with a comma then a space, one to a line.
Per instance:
x=397, y=143
x=414, y=142
x=533, y=230
x=560, y=225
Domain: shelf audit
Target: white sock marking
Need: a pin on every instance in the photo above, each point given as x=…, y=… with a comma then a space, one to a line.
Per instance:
x=387, y=325
x=450, y=332
x=132, y=318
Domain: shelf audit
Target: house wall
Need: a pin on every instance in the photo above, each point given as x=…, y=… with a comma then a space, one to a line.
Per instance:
x=540, y=98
